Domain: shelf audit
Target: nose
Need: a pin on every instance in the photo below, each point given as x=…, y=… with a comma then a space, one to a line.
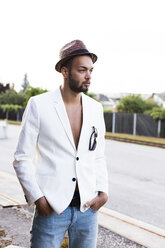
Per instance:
x=88, y=75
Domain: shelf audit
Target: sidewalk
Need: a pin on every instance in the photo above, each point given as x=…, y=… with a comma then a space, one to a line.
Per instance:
x=16, y=222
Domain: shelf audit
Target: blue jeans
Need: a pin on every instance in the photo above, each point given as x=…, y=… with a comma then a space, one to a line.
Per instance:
x=48, y=232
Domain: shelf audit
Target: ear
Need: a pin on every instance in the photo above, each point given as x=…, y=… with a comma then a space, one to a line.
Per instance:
x=64, y=71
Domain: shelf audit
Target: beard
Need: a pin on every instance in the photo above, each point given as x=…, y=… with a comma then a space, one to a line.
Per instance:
x=75, y=86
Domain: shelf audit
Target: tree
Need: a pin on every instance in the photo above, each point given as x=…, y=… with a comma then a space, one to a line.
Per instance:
x=136, y=104
x=25, y=83
x=31, y=91
x=3, y=88
x=10, y=96
x=131, y=104
x=150, y=104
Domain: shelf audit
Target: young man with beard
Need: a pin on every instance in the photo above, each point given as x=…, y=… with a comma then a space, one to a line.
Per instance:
x=64, y=130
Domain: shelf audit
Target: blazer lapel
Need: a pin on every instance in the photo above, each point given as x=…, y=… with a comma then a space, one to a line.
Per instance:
x=62, y=114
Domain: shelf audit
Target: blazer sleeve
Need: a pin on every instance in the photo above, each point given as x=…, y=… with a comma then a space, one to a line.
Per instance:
x=100, y=162
x=25, y=152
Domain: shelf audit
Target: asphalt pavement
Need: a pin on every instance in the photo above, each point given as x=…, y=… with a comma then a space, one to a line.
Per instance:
x=137, y=181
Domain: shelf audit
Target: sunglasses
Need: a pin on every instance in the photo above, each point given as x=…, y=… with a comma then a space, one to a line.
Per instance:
x=93, y=141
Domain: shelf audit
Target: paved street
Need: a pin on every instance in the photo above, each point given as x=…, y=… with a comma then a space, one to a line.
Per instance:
x=136, y=178
x=137, y=181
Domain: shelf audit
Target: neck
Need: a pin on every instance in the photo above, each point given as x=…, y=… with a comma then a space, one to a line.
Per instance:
x=69, y=96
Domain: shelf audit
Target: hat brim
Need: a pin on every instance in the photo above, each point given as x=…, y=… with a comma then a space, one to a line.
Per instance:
x=62, y=61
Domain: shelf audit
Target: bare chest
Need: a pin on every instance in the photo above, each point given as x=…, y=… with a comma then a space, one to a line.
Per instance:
x=75, y=119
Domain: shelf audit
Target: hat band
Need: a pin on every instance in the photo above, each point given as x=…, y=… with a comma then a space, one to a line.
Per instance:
x=79, y=51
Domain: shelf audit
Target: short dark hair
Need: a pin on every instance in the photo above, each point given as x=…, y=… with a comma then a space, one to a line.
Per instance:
x=68, y=64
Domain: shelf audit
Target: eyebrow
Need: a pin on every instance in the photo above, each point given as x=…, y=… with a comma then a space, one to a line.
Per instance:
x=84, y=67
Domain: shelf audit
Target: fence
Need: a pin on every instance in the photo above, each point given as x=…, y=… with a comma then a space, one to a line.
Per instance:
x=12, y=115
x=136, y=124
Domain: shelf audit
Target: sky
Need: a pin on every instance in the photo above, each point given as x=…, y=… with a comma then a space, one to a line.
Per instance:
x=128, y=37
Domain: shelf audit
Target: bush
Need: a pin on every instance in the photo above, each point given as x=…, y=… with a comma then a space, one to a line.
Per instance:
x=150, y=104
x=10, y=107
x=107, y=110
x=158, y=113
x=135, y=104
x=131, y=104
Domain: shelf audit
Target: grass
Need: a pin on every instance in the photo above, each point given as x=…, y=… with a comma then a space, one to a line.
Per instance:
x=12, y=122
x=135, y=137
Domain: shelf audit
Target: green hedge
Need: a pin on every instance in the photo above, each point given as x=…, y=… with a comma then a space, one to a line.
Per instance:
x=10, y=107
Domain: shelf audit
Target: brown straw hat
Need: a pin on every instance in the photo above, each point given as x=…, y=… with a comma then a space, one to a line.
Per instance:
x=71, y=49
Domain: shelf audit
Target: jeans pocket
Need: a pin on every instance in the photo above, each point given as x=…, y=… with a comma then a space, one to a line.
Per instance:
x=42, y=216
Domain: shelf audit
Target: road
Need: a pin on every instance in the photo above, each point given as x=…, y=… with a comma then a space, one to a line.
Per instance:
x=136, y=178
x=137, y=181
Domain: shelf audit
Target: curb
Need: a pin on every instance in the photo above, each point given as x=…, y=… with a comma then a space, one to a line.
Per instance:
x=14, y=246
x=138, y=231
x=138, y=142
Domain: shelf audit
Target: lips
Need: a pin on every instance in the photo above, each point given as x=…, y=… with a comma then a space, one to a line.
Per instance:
x=86, y=84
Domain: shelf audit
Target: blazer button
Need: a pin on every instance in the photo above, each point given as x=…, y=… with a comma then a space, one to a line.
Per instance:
x=77, y=158
x=73, y=179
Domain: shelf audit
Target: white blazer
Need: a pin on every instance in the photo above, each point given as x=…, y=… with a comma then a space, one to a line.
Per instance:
x=46, y=159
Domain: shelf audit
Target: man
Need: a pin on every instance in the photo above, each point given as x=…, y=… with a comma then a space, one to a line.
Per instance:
x=63, y=136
